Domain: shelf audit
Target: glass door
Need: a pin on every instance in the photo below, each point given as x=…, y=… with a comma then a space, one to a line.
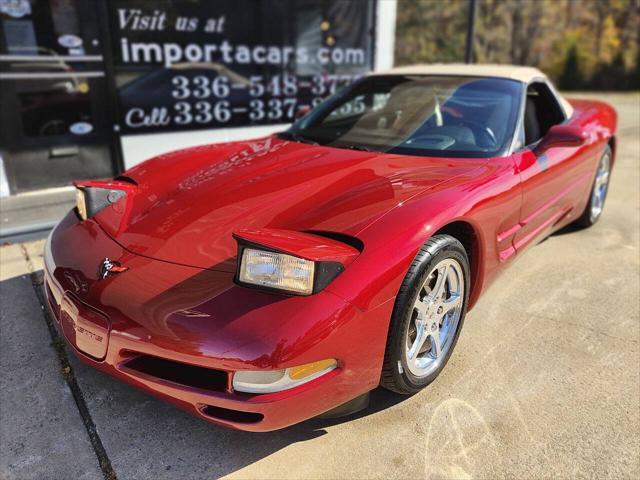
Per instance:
x=55, y=121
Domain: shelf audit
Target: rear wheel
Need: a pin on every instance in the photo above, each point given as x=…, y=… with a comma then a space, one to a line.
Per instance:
x=427, y=316
x=599, y=190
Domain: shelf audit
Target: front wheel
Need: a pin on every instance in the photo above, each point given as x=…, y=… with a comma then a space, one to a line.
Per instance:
x=599, y=190
x=427, y=316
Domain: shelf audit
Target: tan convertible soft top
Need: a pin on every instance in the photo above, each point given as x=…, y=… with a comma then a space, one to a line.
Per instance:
x=512, y=72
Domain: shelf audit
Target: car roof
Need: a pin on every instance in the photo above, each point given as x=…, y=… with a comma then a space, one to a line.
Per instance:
x=512, y=72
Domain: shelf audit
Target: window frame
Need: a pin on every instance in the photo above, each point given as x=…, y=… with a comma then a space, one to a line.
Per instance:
x=519, y=137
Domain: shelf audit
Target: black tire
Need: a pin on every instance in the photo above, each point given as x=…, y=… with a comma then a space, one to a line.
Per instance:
x=436, y=249
x=587, y=218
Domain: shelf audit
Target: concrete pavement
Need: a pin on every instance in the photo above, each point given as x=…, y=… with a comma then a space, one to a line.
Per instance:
x=544, y=382
x=34, y=211
x=42, y=434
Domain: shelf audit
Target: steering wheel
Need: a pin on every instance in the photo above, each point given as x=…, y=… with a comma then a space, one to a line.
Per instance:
x=480, y=131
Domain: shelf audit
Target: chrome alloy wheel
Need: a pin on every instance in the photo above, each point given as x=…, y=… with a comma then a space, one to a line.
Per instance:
x=434, y=318
x=600, y=186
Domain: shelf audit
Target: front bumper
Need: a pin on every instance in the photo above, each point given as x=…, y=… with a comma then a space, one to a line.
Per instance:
x=180, y=333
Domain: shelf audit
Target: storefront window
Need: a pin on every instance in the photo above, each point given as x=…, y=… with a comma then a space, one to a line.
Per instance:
x=55, y=121
x=59, y=107
x=45, y=28
x=183, y=65
x=49, y=64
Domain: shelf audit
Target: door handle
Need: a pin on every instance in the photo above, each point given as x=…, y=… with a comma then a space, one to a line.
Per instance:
x=66, y=151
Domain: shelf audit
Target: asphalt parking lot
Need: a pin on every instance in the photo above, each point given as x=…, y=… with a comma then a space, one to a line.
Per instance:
x=544, y=382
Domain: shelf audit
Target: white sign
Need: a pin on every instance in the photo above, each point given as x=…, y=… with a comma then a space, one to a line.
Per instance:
x=81, y=128
x=70, y=41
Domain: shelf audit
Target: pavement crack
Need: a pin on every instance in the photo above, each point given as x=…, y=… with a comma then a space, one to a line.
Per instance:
x=67, y=371
x=27, y=258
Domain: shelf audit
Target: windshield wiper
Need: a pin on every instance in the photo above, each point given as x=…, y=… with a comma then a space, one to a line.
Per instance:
x=357, y=147
x=296, y=137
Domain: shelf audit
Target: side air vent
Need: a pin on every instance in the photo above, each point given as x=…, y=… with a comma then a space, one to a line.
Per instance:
x=339, y=237
x=232, y=415
x=124, y=178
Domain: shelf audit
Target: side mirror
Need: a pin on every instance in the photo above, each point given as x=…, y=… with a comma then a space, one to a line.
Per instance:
x=561, y=136
x=301, y=112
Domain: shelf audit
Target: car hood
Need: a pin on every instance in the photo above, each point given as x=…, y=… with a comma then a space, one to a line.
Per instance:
x=189, y=202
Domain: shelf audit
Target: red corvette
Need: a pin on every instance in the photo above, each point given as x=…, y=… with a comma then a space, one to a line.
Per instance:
x=257, y=284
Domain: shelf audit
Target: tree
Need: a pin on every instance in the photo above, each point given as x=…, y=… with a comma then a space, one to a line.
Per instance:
x=571, y=78
x=578, y=43
x=430, y=31
x=611, y=76
x=634, y=74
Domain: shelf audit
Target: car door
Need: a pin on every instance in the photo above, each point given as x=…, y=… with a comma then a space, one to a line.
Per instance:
x=554, y=181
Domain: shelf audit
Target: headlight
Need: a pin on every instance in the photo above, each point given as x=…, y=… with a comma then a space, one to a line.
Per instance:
x=297, y=263
x=269, y=381
x=90, y=200
x=81, y=203
x=276, y=270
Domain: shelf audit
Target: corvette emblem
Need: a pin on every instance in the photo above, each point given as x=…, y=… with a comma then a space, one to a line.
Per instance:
x=111, y=267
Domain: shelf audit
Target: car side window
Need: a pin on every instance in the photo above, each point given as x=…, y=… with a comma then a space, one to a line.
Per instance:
x=542, y=111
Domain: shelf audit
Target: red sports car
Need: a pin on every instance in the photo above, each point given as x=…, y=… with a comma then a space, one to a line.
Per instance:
x=257, y=284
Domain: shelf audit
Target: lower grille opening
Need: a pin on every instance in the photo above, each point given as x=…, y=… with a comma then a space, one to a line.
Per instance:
x=182, y=373
x=232, y=415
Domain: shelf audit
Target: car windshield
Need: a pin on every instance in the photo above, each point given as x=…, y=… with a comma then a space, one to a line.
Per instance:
x=442, y=116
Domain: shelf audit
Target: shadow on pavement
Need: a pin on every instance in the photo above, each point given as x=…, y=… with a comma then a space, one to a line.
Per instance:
x=144, y=436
